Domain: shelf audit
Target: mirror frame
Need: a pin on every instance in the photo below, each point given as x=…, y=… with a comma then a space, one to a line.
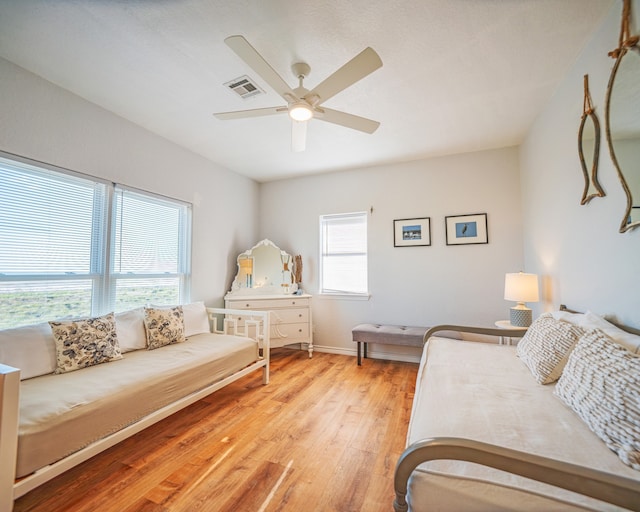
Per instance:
x=625, y=225
x=241, y=286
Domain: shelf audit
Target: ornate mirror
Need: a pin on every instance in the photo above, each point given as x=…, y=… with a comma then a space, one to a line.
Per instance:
x=264, y=269
x=589, y=147
x=622, y=114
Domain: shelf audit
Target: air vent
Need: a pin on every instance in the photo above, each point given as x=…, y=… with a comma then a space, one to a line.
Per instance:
x=244, y=87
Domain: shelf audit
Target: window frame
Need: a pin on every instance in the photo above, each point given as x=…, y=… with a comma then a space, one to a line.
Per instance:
x=102, y=244
x=324, y=220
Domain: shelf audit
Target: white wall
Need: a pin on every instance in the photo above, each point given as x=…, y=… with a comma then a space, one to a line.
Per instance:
x=409, y=285
x=584, y=261
x=41, y=121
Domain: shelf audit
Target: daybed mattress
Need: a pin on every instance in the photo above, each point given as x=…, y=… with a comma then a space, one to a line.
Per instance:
x=474, y=390
x=60, y=414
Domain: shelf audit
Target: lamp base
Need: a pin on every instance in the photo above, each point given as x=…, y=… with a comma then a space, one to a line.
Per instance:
x=521, y=316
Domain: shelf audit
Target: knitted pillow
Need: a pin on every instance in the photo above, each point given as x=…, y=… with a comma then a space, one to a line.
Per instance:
x=601, y=383
x=546, y=346
x=83, y=343
x=163, y=326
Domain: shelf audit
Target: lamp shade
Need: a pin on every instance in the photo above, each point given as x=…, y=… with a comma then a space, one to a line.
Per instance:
x=521, y=287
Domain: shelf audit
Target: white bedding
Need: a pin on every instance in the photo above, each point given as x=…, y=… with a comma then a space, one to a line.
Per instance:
x=60, y=414
x=474, y=390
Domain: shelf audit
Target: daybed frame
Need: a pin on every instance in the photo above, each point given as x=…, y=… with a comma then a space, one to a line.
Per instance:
x=618, y=490
x=11, y=489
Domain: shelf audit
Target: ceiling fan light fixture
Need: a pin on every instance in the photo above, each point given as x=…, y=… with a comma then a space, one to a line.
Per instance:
x=300, y=111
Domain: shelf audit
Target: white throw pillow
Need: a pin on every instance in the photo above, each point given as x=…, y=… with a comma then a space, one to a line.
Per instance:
x=196, y=320
x=590, y=320
x=130, y=329
x=601, y=383
x=30, y=348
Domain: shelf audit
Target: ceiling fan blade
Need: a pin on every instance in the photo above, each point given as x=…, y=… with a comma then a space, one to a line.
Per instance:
x=349, y=120
x=254, y=60
x=363, y=64
x=256, y=112
x=298, y=135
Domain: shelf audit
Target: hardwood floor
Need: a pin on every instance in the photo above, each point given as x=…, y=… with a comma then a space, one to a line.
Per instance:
x=324, y=435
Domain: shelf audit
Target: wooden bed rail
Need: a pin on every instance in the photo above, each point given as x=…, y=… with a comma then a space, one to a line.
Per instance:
x=488, y=331
x=615, y=489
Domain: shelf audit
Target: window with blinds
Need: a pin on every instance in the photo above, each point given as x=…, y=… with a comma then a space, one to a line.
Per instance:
x=343, y=254
x=61, y=233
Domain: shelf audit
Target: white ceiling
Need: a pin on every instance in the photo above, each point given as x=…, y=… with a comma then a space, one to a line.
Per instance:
x=457, y=75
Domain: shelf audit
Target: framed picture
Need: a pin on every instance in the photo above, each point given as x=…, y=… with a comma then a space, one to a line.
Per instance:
x=467, y=229
x=411, y=232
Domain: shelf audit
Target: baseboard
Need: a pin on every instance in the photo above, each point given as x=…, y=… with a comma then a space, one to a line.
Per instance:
x=371, y=354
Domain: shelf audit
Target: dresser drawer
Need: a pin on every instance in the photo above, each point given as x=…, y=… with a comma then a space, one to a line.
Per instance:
x=289, y=316
x=259, y=304
x=292, y=332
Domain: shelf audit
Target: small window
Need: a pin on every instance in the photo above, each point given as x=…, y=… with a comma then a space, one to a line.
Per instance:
x=343, y=254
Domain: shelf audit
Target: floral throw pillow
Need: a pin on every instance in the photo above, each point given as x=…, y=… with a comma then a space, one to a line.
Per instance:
x=86, y=342
x=163, y=326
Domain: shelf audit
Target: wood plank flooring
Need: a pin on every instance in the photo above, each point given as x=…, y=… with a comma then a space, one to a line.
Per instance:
x=323, y=436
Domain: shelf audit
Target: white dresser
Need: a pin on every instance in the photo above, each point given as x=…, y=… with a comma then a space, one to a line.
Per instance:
x=290, y=316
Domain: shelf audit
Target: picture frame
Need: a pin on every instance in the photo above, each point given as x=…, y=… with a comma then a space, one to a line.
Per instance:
x=467, y=229
x=412, y=232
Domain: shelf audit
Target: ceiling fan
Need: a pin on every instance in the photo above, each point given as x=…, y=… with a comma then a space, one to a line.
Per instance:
x=302, y=104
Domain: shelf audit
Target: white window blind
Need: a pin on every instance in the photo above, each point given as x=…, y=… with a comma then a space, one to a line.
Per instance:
x=343, y=258
x=54, y=246
x=150, y=250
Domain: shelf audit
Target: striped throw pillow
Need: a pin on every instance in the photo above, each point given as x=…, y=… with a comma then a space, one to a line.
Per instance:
x=546, y=346
x=601, y=383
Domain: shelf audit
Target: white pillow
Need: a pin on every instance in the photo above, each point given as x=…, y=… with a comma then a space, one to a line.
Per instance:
x=590, y=320
x=130, y=329
x=196, y=320
x=30, y=348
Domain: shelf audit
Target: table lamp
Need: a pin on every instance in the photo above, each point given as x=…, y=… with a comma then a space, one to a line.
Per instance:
x=247, y=266
x=520, y=287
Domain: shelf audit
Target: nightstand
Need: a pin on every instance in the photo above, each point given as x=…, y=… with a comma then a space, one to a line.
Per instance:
x=506, y=324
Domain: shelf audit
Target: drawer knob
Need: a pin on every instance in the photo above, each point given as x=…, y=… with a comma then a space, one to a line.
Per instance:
x=293, y=302
x=247, y=305
x=300, y=315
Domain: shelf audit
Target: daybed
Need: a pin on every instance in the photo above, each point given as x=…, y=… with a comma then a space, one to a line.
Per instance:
x=70, y=390
x=493, y=429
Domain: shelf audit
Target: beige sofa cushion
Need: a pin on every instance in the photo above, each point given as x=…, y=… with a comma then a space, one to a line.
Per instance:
x=601, y=383
x=130, y=328
x=30, y=348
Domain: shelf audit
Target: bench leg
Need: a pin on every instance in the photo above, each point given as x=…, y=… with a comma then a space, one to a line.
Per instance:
x=365, y=350
x=359, y=359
